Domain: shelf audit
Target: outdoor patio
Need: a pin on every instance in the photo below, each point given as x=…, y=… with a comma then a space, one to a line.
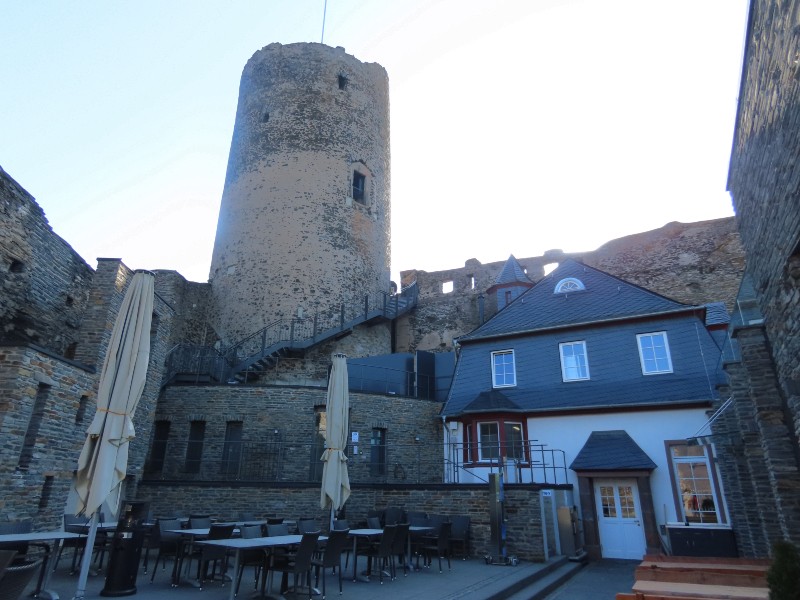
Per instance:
x=469, y=579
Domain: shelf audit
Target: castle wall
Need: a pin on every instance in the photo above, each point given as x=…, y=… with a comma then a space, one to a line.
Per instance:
x=693, y=263
x=288, y=415
x=763, y=181
x=46, y=404
x=293, y=239
x=45, y=283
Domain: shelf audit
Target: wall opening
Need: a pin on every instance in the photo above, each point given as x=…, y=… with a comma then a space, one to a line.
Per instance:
x=194, y=447
x=447, y=287
x=359, y=187
x=34, y=423
x=81, y=412
x=471, y=279
x=342, y=82
x=47, y=491
x=549, y=268
x=159, y=450
x=16, y=266
x=232, y=447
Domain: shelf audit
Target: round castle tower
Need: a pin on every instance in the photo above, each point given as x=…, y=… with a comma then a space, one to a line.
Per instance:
x=304, y=222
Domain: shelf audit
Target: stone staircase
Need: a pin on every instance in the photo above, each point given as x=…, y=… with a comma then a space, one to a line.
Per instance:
x=255, y=354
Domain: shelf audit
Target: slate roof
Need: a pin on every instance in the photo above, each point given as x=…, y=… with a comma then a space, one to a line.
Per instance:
x=717, y=314
x=605, y=297
x=606, y=316
x=611, y=451
x=491, y=401
x=512, y=273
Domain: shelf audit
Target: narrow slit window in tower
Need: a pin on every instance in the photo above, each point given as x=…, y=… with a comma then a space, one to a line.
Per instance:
x=359, y=187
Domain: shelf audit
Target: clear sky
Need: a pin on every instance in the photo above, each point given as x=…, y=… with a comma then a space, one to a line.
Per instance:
x=517, y=125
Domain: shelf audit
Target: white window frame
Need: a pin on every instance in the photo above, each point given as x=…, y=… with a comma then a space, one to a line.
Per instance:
x=692, y=492
x=565, y=368
x=513, y=373
x=569, y=284
x=494, y=456
x=657, y=371
x=513, y=449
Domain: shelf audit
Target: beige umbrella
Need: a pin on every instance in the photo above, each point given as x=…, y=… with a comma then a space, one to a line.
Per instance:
x=335, y=481
x=104, y=458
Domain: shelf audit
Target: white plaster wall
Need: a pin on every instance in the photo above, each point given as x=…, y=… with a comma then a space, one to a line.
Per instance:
x=648, y=429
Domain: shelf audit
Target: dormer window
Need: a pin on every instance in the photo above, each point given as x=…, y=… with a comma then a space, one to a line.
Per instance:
x=570, y=284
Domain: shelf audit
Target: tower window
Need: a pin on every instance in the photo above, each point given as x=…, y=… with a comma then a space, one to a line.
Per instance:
x=359, y=187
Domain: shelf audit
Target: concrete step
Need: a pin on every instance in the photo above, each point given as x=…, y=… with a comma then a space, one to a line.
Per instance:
x=514, y=582
x=543, y=586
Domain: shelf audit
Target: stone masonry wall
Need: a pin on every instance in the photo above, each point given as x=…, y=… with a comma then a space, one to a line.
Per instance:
x=764, y=183
x=36, y=487
x=44, y=282
x=290, y=238
x=288, y=416
x=693, y=263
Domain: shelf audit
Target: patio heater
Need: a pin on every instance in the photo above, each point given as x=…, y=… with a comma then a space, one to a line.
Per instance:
x=497, y=522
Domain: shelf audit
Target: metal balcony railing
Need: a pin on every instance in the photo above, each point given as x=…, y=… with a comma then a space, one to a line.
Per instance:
x=278, y=460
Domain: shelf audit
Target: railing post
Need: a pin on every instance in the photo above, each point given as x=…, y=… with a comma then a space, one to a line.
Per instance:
x=291, y=332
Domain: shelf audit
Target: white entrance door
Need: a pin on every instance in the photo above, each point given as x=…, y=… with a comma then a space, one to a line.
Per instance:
x=619, y=517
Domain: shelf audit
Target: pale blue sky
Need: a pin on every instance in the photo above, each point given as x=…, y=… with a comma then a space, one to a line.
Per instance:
x=517, y=125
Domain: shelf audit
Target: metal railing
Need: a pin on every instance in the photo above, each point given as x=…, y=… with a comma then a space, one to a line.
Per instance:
x=522, y=462
x=286, y=334
x=278, y=460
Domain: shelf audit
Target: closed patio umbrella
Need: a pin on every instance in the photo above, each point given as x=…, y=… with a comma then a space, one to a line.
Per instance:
x=335, y=481
x=104, y=458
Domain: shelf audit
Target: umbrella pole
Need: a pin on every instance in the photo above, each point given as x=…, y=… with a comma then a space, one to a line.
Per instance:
x=330, y=528
x=86, y=560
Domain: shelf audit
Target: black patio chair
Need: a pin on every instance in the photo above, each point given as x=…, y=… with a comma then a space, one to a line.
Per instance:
x=459, y=535
x=255, y=557
x=72, y=524
x=6, y=556
x=400, y=549
x=199, y=522
x=381, y=551
x=393, y=515
x=440, y=549
x=25, y=526
x=338, y=541
x=300, y=564
x=307, y=526
x=169, y=545
x=16, y=578
x=214, y=554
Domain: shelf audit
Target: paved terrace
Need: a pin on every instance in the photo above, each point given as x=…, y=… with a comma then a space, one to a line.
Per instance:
x=470, y=579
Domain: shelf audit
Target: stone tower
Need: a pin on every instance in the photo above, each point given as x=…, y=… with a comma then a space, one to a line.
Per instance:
x=304, y=223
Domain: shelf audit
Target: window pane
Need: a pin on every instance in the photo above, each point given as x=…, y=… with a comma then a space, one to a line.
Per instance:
x=608, y=502
x=503, y=369
x=654, y=353
x=514, y=443
x=627, y=507
x=694, y=484
x=573, y=361
x=488, y=441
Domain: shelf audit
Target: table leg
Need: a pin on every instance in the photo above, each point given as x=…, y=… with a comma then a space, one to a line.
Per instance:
x=355, y=558
x=232, y=593
x=44, y=574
